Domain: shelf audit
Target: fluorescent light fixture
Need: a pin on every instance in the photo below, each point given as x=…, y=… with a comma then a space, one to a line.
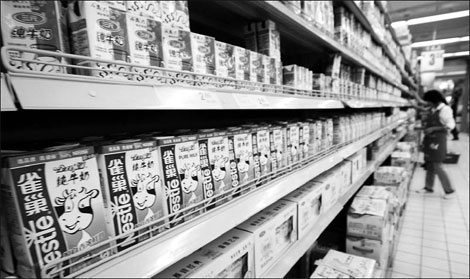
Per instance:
x=454, y=73
x=439, y=42
x=453, y=54
x=427, y=19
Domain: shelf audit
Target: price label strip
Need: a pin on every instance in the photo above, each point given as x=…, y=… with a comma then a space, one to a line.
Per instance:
x=187, y=98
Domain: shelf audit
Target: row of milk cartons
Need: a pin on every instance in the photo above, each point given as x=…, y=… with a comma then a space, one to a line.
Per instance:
x=66, y=200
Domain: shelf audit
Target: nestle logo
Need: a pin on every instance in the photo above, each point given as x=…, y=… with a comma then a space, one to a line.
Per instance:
x=108, y=25
x=176, y=44
x=145, y=35
x=204, y=49
x=29, y=18
x=243, y=59
x=223, y=55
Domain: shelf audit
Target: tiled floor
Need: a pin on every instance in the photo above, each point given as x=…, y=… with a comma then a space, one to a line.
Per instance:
x=434, y=240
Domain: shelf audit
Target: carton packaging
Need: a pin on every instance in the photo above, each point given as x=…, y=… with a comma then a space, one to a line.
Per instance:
x=99, y=30
x=181, y=171
x=177, y=54
x=331, y=189
x=274, y=230
x=215, y=164
x=309, y=206
x=264, y=149
x=367, y=218
x=269, y=42
x=229, y=256
x=257, y=64
x=369, y=248
x=35, y=25
x=254, y=64
x=389, y=175
x=250, y=37
x=225, y=64
x=279, y=73
x=132, y=182
x=269, y=65
x=203, y=54
x=148, y=9
x=401, y=159
x=341, y=265
x=175, y=14
x=290, y=75
x=345, y=170
x=253, y=132
x=242, y=63
x=278, y=146
x=293, y=139
x=304, y=139
x=54, y=206
x=356, y=165
x=145, y=46
x=242, y=147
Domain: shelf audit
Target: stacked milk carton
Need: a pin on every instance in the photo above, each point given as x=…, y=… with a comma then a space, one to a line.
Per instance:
x=341, y=265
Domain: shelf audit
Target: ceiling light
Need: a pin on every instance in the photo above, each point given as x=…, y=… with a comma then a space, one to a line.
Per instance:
x=433, y=18
x=453, y=54
x=439, y=42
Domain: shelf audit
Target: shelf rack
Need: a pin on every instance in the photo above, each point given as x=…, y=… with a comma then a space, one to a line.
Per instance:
x=6, y=97
x=299, y=248
x=155, y=256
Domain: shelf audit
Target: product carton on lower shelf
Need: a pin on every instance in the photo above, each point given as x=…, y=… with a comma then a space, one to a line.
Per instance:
x=274, y=230
x=369, y=248
x=367, y=218
x=309, y=206
x=229, y=256
x=341, y=265
x=331, y=189
x=389, y=175
x=401, y=159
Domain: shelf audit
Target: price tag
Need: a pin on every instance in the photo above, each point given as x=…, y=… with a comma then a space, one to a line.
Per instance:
x=262, y=101
x=245, y=101
x=207, y=97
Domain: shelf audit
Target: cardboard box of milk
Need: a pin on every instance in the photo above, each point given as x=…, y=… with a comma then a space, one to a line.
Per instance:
x=203, y=54
x=145, y=47
x=148, y=9
x=243, y=154
x=229, y=256
x=132, y=182
x=304, y=140
x=293, y=140
x=251, y=42
x=242, y=63
x=54, y=204
x=309, y=205
x=368, y=218
x=36, y=25
x=182, y=177
x=264, y=149
x=269, y=39
x=257, y=66
x=274, y=230
x=278, y=146
x=177, y=54
x=270, y=70
x=99, y=30
x=175, y=14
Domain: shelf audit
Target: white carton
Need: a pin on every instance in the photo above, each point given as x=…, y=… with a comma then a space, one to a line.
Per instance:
x=269, y=65
x=254, y=64
x=36, y=25
x=229, y=256
x=369, y=248
x=367, y=218
x=203, y=53
x=331, y=189
x=356, y=165
x=223, y=58
x=274, y=230
x=145, y=46
x=401, y=159
x=293, y=139
x=389, y=175
x=177, y=54
x=264, y=149
x=242, y=63
x=304, y=140
x=345, y=169
x=344, y=266
x=250, y=37
x=242, y=146
x=175, y=14
x=55, y=209
x=279, y=73
x=268, y=42
x=257, y=64
x=148, y=9
x=309, y=206
x=99, y=30
x=132, y=182
x=278, y=145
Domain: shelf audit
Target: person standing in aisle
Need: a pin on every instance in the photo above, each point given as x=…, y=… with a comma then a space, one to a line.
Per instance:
x=454, y=104
x=438, y=123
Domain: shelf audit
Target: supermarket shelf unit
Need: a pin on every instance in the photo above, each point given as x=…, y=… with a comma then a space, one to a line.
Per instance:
x=155, y=256
x=7, y=100
x=299, y=248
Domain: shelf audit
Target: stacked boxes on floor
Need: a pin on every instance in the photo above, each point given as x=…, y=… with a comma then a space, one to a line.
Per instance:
x=342, y=265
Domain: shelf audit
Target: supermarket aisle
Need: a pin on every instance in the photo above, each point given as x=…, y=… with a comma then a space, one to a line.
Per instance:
x=434, y=241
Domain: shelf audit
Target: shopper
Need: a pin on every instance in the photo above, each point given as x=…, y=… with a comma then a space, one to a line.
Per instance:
x=438, y=123
x=454, y=103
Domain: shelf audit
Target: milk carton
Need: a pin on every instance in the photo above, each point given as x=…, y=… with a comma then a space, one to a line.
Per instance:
x=278, y=147
x=175, y=14
x=250, y=37
x=145, y=46
x=279, y=73
x=341, y=265
x=233, y=163
x=203, y=50
x=304, y=140
x=274, y=230
x=181, y=170
x=36, y=25
x=244, y=157
x=264, y=150
x=148, y=9
x=293, y=139
x=258, y=66
x=132, y=182
x=242, y=63
x=270, y=70
x=229, y=256
x=368, y=218
x=55, y=209
x=331, y=189
x=309, y=206
x=215, y=164
x=99, y=30
x=289, y=75
x=177, y=53
x=269, y=42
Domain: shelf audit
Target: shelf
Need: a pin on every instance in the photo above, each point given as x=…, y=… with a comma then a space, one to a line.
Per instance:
x=155, y=256
x=299, y=248
x=6, y=97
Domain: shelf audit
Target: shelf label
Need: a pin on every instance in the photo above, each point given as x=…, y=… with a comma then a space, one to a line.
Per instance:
x=262, y=101
x=245, y=100
x=208, y=97
x=185, y=98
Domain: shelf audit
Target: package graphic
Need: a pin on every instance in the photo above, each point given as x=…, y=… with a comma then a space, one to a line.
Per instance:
x=225, y=63
x=133, y=188
x=148, y=9
x=203, y=54
x=181, y=170
x=264, y=150
x=55, y=209
x=175, y=14
x=243, y=150
x=99, y=30
x=293, y=139
x=145, y=46
x=268, y=39
x=242, y=64
x=278, y=147
x=304, y=140
x=215, y=165
x=36, y=25
x=177, y=54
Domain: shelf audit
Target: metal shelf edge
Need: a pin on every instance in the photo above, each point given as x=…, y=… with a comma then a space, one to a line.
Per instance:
x=7, y=103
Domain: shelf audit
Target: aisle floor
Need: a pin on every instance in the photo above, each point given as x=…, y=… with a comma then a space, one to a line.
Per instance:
x=434, y=240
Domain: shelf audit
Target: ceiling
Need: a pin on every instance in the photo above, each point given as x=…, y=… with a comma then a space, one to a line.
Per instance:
x=459, y=27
